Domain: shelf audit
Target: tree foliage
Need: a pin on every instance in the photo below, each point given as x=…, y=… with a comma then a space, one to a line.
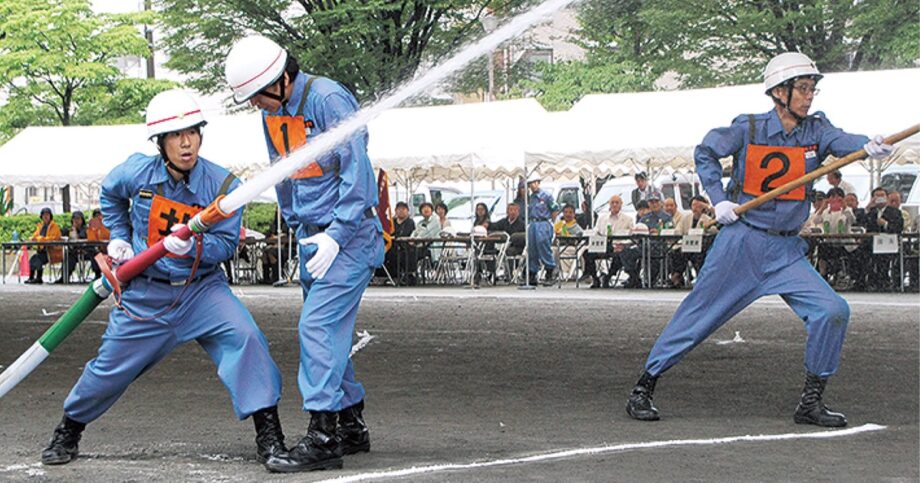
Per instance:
x=371, y=46
x=58, y=65
x=559, y=86
x=715, y=43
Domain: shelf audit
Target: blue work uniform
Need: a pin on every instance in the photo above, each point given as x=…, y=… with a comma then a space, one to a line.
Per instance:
x=761, y=254
x=540, y=208
x=335, y=194
x=206, y=311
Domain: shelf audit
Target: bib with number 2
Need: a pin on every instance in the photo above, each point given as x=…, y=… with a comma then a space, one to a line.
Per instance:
x=769, y=167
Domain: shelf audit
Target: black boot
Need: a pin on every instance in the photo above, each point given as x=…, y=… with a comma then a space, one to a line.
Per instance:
x=318, y=450
x=352, y=432
x=811, y=409
x=63, y=446
x=529, y=280
x=639, y=405
x=269, y=437
x=549, y=278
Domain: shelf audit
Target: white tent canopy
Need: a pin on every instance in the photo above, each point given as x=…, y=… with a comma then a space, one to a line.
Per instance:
x=456, y=142
x=623, y=133
x=84, y=154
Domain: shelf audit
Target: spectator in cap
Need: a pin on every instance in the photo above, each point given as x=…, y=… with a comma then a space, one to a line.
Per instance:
x=45, y=230
x=644, y=190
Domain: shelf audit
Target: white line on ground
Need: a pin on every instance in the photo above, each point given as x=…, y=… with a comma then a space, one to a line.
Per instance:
x=602, y=449
x=564, y=295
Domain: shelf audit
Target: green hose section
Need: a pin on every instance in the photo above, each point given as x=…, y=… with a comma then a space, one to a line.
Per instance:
x=70, y=320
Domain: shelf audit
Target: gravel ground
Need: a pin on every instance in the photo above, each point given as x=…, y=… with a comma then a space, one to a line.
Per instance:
x=457, y=376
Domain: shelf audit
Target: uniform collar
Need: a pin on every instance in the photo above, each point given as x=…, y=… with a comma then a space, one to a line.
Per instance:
x=775, y=125
x=161, y=175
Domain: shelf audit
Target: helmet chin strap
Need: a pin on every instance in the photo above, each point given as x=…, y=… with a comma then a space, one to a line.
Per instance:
x=184, y=172
x=785, y=105
x=278, y=97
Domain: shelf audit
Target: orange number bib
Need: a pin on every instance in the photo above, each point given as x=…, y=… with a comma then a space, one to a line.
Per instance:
x=164, y=213
x=769, y=167
x=288, y=133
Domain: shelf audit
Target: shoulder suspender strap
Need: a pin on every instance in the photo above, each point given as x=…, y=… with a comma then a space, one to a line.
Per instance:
x=752, y=128
x=303, y=97
x=160, y=190
x=225, y=187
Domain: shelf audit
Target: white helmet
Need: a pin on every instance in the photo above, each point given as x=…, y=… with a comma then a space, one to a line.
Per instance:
x=254, y=63
x=788, y=65
x=534, y=176
x=172, y=110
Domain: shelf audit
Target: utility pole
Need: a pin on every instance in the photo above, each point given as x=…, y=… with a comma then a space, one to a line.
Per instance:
x=148, y=33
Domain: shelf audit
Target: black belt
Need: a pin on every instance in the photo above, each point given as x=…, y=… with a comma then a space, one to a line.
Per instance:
x=177, y=283
x=771, y=232
x=368, y=213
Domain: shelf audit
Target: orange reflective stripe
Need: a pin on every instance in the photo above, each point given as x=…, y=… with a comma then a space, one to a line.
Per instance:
x=769, y=167
x=164, y=214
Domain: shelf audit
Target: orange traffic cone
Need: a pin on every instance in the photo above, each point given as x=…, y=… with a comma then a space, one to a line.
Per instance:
x=24, y=263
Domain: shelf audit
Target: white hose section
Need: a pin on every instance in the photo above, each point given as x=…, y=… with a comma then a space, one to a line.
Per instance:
x=23, y=366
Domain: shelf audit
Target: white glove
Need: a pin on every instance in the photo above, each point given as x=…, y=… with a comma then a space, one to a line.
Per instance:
x=326, y=251
x=877, y=149
x=725, y=212
x=120, y=251
x=176, y=245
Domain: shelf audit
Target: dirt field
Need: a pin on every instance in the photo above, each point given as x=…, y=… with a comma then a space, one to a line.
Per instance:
x=484, y=379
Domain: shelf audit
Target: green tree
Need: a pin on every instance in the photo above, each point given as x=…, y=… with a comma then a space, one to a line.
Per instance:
x=57, y=65
x=715, y=43
x=559, y=86
x=369, y=45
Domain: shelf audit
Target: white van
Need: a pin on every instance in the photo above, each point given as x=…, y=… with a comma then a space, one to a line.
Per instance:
x=431, y=194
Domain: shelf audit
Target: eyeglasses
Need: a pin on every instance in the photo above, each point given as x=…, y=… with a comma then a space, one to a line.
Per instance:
x=806, y=89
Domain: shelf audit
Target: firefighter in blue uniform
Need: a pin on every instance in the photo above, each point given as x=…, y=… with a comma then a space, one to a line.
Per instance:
x=330, y=203
x=541, y=211
x=143, y=200
x=759, y=253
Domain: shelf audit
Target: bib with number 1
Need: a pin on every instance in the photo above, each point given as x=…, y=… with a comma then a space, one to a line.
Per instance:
x=769, y=167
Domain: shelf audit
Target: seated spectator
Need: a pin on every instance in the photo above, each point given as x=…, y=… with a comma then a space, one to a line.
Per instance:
x=482, y=216
x=656, y=219
x=441, y=211
x=610, y=223
x=670, y=207
x=565, y=227
x=641, y=209
x=834, y=218
x=428, y=227
x=819, y=203
x=96, y=231
x=403, y=226
x=852, y=203
x=513, y=225
x=698, y=218
x=894, y=201
x=78, y=231
x=881, y=218
x=46, y=230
